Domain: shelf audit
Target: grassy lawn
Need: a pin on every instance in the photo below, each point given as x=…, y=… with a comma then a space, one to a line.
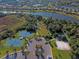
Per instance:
x=17, y=35
x=42, y=31
x=59, y=54
x=4, y=49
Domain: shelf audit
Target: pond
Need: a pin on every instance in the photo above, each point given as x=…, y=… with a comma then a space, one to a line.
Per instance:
x=17, y=42
x=55, y=15
x=12, y=42
x=24, y=33
x=46, y=14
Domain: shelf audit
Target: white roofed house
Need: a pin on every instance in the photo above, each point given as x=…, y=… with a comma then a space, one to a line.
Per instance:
x=62, y=43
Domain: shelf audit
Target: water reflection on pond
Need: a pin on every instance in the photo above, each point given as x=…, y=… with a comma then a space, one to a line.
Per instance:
x=16, y=42
x=55, y=16
x=24, y=33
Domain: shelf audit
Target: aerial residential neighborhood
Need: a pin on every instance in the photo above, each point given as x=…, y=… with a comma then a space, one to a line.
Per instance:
x=39, y=29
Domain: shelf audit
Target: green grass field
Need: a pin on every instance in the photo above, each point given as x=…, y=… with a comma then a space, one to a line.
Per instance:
x=59, y=54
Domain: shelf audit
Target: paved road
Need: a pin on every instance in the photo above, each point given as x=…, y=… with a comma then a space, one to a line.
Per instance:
x=46, y=48
x=32, y=49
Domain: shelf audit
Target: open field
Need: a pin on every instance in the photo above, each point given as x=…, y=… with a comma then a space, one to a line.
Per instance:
x=10, y=23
